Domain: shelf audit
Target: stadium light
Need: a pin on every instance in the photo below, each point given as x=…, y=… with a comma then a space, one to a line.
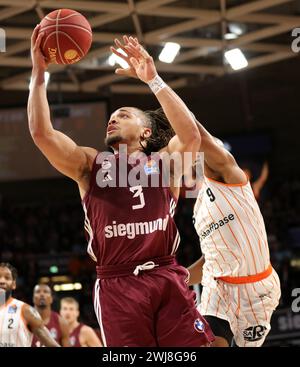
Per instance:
x=236, y=29
x=236, y=59
x=169, y=52
x=53, y=269
x=230, y=36
x=67, y=287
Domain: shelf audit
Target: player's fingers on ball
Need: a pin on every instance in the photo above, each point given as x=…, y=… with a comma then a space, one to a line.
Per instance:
x=34, y=34
x=47, y=62
x=39, y=40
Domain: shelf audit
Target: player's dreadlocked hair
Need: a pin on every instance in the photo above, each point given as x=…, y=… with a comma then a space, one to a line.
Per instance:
x=162, y=131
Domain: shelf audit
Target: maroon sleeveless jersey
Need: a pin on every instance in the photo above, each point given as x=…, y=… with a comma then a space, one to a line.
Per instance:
x=74, y=336
x=54, y=327
x=129, y=220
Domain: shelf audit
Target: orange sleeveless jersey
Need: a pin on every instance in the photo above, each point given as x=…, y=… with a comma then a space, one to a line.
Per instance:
x=231, y=230
x=13, y=328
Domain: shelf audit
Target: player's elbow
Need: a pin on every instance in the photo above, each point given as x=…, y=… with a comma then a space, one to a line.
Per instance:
x=39, y=133
x=194, y=141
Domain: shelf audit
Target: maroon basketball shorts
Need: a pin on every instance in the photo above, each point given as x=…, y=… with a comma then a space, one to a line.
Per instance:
x=153, y=309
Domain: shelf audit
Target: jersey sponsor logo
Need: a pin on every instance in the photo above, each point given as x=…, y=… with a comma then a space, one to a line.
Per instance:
x=151, y=167
x=131, y=230
x=72, y=341
x=199, y=325
x=254, y=333
x=216, y=225
x=7, y=345
x=12, y=309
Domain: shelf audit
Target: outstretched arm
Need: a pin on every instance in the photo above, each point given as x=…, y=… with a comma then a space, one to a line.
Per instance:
x=260, y=182
x=219, y=160
x=141, y=65
x=61, y=151
x=37, y=327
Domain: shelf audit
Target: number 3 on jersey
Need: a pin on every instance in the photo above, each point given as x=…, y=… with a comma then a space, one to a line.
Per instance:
x=138, y=193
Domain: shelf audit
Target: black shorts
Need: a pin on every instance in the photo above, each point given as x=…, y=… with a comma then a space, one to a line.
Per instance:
x=220, y=328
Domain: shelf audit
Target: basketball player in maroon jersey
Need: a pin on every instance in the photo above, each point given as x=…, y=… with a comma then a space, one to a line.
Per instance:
x=42, y=300
x=140, y=297
x=81, y=335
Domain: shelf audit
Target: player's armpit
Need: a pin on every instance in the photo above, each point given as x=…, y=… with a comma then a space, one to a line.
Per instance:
x=219, y=160
x=37, y=327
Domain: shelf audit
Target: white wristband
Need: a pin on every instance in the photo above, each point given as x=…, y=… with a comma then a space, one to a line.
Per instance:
x=157, y=84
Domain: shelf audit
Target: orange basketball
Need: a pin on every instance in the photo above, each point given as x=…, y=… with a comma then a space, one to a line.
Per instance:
x=67, y=36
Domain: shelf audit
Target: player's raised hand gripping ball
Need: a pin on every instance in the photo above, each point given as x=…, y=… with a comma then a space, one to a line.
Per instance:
x=67, y=36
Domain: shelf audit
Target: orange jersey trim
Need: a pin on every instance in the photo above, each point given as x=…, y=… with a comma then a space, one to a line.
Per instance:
x=225, y=184
x=248, y=279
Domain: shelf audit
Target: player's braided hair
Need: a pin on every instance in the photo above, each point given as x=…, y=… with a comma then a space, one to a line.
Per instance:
x=162, y=132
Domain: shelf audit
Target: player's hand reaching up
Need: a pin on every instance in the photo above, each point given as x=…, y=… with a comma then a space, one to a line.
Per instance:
x=130, y=71
x=141, y=64
x=39, y=62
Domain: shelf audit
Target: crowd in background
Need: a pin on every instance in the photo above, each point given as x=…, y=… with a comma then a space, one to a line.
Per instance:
x=52, y=233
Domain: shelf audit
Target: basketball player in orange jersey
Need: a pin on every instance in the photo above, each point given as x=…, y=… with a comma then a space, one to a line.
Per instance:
x=240, y=288
x=140, y=297
x=42, y=300
x=80, y=335
x=18, y=321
